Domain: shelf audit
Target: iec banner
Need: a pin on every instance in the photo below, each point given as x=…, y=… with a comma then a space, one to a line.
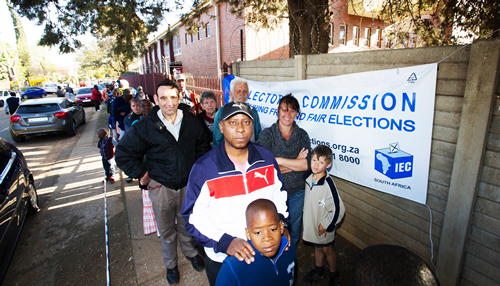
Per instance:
x=378, y=124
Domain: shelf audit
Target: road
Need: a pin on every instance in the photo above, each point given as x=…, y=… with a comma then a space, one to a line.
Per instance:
x=65, y=242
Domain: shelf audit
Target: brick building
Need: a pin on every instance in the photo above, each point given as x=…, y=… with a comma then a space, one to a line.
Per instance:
x=225, y=38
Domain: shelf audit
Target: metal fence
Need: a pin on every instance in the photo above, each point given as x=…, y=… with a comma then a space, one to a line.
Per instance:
x=195, y=84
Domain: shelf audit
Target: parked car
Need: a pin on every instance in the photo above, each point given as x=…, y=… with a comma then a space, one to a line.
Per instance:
x=83, y=96
x=34, y=92
x=50, y=87
x=18, y=198
x=4, y=94
x=48, y=115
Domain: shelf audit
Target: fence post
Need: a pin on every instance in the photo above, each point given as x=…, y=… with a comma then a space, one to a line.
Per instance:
x=482, y=77
x=300, y=67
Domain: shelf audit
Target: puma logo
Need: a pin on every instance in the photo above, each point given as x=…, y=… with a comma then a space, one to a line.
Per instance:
x=259, y=175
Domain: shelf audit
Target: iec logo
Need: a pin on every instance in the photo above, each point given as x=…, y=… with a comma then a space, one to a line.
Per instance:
x=393, y=162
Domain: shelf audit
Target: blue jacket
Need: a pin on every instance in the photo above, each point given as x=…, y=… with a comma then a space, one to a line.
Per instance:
x=218, y=136
x=217, y=196
x=263, y=271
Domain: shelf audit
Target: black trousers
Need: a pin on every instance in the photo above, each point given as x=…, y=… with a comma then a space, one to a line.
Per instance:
x=212, y=268
x=97, y=104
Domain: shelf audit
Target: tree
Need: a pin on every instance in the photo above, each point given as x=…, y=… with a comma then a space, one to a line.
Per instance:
x=128, y=22
x=23, y=51
x=441, y=22
x=99, y=59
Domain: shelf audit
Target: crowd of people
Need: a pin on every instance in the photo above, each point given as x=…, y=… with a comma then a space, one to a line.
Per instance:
x=213, y=177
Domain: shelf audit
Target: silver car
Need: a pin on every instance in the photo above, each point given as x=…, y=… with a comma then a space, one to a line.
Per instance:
x=46, y=115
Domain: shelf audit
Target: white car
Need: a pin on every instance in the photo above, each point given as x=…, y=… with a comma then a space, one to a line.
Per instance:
x=50, y=87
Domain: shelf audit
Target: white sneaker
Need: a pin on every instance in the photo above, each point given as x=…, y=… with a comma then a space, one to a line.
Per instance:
x=98, y=109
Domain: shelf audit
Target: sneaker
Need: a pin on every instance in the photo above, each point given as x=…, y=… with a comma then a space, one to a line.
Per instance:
x=129, y=179
x=98, y=109
x=334, y=279
x=313, y=276
x=111, y=180
x=197, y=262
x=173, y=275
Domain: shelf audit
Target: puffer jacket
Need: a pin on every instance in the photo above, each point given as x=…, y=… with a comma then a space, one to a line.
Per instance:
x=149, y=147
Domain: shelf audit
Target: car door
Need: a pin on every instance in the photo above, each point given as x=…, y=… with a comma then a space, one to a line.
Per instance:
x=12, y=206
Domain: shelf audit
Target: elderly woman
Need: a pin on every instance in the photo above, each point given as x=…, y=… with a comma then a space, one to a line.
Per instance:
x=209, y=104
x=291, y=147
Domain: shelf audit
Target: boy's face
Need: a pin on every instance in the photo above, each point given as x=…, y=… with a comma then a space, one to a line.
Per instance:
x=264, y=229
x=135, y=107
x=145, y=108
x=319, y=165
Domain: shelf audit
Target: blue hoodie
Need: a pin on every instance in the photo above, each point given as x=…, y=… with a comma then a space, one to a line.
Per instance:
x=263, y=271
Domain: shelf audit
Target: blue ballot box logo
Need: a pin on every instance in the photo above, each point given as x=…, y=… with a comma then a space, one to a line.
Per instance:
x=393, y=162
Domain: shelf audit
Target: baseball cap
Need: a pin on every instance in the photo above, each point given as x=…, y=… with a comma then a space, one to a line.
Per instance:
x=234, y=108
x=181, y=77
x=139, y=87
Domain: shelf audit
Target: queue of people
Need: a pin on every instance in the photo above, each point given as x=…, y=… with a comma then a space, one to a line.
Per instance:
x=213, y=177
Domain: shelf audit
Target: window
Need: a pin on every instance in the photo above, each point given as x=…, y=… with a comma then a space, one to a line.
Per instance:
x=192, y=38
x=378, y=38
x=355, y=35
x=330, y=42
x=368, y=34
x=177, y=44
x=207, y=31
x=186, y=36
x=199, y=33
x=342, y=34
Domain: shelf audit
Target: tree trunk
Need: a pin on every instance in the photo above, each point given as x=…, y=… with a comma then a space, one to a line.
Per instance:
x=309, y=26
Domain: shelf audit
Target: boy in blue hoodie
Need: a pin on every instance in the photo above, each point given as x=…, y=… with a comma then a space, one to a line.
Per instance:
x=272, y=265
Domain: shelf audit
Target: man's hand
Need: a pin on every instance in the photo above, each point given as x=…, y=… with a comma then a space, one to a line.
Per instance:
x=242, y=250
x=321, y=230
x=145, y=179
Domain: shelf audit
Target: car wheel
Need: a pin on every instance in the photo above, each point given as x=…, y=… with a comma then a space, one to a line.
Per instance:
x=44, y=95
x=33, y=197
x=1, y=103
x=25, y=96
x=72, y=132
x=84, y=119
x=17, y=138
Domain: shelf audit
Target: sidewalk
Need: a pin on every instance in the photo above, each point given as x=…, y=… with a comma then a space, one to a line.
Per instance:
x=147, y=254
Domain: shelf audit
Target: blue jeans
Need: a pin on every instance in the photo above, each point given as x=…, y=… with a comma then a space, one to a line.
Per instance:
x=295, y=208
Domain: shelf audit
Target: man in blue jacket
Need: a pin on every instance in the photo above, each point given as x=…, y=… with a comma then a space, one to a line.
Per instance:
x=160, y=150
x=221, y=185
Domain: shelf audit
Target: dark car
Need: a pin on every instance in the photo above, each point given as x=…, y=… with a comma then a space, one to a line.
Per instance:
x=34, y=92
x=18, y=198
x=48, y=115
x=83, y=96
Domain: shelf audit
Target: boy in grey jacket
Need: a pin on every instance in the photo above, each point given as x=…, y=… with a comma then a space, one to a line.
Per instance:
x=323, y=210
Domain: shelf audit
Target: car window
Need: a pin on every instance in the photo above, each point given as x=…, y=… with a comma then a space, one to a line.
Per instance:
x=39, y=108
x=6, y=169
x=84, y=90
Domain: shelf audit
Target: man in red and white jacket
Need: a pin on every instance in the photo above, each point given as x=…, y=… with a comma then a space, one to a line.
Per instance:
x=223, y=183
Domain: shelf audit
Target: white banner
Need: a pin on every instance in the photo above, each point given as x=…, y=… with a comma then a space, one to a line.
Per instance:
x=378, y=124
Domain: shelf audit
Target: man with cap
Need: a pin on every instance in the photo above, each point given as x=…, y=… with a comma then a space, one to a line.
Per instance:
x=223, y=183
x=140, y=94
x=238, y=92
x=186, y=95
x=160, y=150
